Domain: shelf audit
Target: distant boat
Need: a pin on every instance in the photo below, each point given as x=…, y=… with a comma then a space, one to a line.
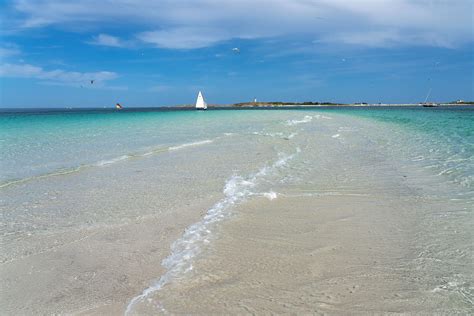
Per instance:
x=428, y=104
x=200, y=103
x=118, y=106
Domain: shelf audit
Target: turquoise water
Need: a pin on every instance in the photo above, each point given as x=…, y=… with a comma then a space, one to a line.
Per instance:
x=442, y=138
x=36, y=144
x=153, y=172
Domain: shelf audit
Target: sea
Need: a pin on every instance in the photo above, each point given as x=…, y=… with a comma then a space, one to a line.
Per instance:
x=121, y=211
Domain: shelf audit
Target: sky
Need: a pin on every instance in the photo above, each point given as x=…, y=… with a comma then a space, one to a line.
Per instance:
x=162, y=52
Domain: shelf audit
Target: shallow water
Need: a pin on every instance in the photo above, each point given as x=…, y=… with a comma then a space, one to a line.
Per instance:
x=68, y=178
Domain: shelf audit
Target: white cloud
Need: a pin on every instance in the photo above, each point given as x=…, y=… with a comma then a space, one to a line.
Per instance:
x=200, y=23
x=183, y=37
x=20, y=70
x=107, y=40
x=368, y=38
x=7, y=50
x=387, y=38
x=56, y=76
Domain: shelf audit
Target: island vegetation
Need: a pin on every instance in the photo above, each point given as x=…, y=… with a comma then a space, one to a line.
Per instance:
x=279, y=103
x=312, y=103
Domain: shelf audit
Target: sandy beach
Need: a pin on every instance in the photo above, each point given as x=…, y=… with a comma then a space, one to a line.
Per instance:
x=297, y=212
x=290, y=157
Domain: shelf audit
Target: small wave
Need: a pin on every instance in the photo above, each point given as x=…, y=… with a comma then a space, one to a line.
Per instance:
x=317, y=194
x=101, y=163
x=111, y=161
x=186, y=248
x=276, y=134
x=336, y=135
x=62, y=172
x=270, y=195
x=319, y=116
x=42, y=176
x=446, y=171
x=464, y=289
x=418, y=158
x=203, y=142
x=306, y=119
x=290, y=136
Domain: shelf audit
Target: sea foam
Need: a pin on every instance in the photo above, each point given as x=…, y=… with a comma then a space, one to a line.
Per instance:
x=111, y=161
x=203, y=142
x=276, y=135
x=306, y=119
x=270, y=195
x=189, y=245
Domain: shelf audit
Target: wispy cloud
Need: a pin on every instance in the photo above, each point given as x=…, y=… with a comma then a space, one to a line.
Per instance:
x=199, y=23
x=183, y=37
x=86, y=86
x=57, y=76
x=388, y=38
x=7, y=50
x=107, y=40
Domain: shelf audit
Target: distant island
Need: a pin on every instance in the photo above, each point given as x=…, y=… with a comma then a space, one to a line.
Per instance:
x=279, y=103
x=312, y=103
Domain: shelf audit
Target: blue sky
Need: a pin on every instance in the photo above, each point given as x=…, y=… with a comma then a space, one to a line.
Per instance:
x=154, y=53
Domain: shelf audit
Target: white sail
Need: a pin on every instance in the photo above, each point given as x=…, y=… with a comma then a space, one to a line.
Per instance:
x=200, y=103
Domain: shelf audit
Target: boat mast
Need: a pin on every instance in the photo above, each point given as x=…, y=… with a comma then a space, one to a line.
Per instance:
x=428, y=95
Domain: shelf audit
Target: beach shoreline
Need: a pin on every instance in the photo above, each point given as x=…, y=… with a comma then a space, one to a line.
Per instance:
x=246, y=212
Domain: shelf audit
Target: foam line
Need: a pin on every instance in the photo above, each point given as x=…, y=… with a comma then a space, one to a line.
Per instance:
x=203, y=142
x=306, y=119
x=188, y=246
x=103, y=163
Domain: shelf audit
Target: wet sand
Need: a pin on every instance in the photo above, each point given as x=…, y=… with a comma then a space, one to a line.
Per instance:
x=357, y=234
x=300, y=255
x=330, y=254
x=90, y=241
x=316, y=214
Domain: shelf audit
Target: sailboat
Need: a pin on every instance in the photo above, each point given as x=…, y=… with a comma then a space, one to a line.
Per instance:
x=428, y=104
x=200, y=103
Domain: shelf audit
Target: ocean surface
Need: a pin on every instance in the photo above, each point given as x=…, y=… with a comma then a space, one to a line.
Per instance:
x=68, y=175
x=41, y=143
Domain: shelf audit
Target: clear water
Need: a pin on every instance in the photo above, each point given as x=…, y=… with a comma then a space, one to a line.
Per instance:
x=421, y=155
x=442, y=138
x=35, y=144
